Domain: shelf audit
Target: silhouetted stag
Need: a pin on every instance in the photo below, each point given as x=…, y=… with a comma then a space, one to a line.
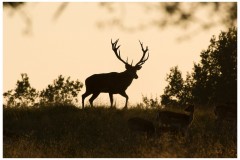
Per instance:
x=114, y=83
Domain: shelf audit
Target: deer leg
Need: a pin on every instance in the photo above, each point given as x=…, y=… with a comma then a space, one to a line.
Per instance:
x=94, y=96
x=126, y=96
x=83, y=97
x=111, y=99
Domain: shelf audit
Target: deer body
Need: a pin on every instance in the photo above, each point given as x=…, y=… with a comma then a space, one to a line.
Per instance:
x=113, y=82
x=137, y=124
x=178, y=121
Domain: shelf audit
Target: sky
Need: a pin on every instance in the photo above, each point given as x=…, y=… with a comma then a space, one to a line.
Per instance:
x=74, y=45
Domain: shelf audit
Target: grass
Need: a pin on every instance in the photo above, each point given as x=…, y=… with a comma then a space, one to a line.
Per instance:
x=66, y=131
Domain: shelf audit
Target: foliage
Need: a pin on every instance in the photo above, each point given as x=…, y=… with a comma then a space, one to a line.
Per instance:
x=13, y=4
x=216, y=74
x=61, y=91
x=173, y=91
x=186, y=96
x=176, y=14
x=213, y=78
x=22, y=95
x=150, y=102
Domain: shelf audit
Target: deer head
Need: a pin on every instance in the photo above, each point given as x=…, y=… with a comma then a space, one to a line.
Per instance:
x=131, y=70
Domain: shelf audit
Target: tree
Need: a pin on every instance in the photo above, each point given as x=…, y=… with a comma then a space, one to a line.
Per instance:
x=186, y=96
x=216, y=74
x=214, y=78
x=173, y=91
x=22, y=95
x=61, y=91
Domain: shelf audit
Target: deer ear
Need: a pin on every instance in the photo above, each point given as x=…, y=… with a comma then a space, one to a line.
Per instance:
x=138, y=67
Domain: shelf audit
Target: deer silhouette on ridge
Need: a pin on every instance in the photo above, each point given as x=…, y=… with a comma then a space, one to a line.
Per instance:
x=113, y=82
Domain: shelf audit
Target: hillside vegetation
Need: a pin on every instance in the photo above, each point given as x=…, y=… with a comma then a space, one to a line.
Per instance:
x=67, y=131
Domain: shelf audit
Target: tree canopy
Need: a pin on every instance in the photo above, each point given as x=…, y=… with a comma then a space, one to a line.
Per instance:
x=213, y=79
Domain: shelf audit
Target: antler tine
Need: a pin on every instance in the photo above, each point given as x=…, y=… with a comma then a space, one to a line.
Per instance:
x=143, y=59
x=116, y=51
x=115, y=41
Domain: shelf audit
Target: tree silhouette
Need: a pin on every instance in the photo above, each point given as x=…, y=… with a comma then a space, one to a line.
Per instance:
x=61, y=91
x=64, y=91
x=22, y=95
x=173, y=91
x=214, y=78
x=186, y=96
x=216, y=74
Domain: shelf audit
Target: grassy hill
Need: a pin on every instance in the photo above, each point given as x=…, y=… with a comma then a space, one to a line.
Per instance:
x=66, y=131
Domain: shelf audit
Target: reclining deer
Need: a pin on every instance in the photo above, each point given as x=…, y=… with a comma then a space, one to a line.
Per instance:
x=114, y=83
x=176, y=121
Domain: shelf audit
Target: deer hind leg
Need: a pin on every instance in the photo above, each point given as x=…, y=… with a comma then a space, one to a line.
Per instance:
x=126, y=96
x=83, y=97
x=94, y=96
x=111, y=99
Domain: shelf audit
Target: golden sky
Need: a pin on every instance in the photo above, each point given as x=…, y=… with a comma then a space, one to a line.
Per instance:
x=74, y=46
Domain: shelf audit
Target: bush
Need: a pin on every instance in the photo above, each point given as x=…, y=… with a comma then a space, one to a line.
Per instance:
x=62, y=91
x=22, y=95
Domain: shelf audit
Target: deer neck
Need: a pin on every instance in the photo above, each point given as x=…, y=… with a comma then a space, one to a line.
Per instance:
x=127, y=77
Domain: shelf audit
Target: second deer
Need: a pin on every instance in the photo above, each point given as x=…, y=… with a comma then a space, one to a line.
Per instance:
x=137, y=124
x=176, y=121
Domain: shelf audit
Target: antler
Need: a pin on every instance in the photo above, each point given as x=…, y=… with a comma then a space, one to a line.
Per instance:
x=143, y=59
x=115, y=49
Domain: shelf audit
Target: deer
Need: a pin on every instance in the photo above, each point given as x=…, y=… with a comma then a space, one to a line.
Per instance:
x=137, y=124
x=176, y=121
x=114, y=82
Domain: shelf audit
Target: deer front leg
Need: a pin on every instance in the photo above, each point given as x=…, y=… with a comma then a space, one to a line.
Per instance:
x=126, y=96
